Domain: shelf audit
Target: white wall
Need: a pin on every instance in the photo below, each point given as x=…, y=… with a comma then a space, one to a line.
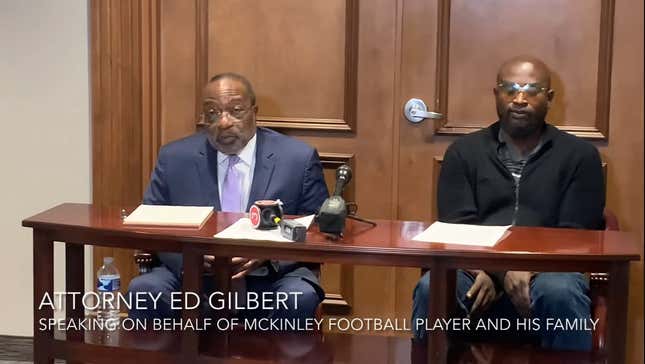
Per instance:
x=45, y=152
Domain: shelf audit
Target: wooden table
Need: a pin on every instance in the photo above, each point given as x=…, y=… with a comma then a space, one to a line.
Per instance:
x=389, y=244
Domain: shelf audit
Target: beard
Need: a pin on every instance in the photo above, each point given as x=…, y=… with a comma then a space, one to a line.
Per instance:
x=522, y=125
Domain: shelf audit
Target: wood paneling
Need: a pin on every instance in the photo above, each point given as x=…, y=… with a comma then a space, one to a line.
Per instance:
x=271, y=45
x=120, y=35
x=573, y=37
x=150, y=88
x=181, y=68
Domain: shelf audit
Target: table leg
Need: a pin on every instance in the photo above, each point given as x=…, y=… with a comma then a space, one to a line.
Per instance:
x=74, y=282
x=222, y=283
x=192, y=282
x=618, y=293
x=440, y=306
x=43, y=269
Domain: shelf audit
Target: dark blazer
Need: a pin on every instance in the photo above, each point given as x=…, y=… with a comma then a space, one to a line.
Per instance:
x=285, y=168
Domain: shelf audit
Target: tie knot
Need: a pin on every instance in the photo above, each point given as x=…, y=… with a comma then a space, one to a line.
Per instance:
x=233, y=160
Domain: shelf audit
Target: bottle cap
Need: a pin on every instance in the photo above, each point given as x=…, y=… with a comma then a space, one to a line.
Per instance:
x=108, y=260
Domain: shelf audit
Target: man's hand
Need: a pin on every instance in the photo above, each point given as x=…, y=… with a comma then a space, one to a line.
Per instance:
x=209, y=260
x=516, y=285
x=483, y=292
x=240, y=267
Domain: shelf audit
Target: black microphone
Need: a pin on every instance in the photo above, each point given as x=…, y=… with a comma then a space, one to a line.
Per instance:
x=343, y=176
x=332, y=214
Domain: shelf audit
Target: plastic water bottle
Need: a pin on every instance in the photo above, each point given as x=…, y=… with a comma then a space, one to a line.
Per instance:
x=108, y=285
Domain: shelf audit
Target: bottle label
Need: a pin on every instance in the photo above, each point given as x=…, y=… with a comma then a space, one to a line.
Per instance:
x=108, y=283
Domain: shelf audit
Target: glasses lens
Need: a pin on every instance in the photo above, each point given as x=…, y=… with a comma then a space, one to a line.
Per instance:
x=237, y=112
x=512, y=88
x=509, y=88
x=214, y=115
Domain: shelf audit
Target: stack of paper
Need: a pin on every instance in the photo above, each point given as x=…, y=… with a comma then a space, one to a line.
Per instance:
x=243, y=229
x=462, y=234
x=171, y=216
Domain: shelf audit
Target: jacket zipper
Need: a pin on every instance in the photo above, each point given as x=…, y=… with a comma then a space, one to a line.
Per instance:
x=516, y=209
x=517, y=199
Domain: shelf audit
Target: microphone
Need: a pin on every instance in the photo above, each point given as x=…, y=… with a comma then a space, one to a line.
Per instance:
x=332, y=214
x=343, y=176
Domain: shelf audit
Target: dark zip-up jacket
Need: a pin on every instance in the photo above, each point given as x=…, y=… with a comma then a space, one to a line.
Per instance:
x=561, y=185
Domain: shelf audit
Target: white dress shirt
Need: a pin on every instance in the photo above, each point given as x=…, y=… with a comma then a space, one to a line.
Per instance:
x=245, y=167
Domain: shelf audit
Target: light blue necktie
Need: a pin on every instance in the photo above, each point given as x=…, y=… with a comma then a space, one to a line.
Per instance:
x=232, y=187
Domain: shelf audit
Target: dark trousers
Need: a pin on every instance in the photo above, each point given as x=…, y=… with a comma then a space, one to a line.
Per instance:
x=162, y=280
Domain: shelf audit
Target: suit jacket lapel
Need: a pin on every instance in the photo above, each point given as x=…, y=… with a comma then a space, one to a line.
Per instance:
x=206, y=164
x=265, y=159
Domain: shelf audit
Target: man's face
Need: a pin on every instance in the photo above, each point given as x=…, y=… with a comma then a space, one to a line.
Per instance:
x=230, y=115
x=523, y=99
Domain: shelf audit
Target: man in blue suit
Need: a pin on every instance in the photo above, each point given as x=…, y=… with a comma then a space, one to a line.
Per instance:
x=230, y=164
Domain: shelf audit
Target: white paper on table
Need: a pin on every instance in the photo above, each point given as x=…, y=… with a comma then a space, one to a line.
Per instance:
x=462, y=234
x=242, y=229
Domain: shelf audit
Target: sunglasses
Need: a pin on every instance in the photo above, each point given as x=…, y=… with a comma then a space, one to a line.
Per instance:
x=512, y=88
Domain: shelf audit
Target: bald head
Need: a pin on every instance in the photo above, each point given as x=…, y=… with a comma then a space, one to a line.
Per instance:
x=525, y=69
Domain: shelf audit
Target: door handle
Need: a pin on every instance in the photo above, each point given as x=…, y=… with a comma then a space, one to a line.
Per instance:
x=415, y=110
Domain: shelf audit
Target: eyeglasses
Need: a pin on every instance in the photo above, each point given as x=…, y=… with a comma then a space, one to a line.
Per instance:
x=238, y=112
x=512, y=88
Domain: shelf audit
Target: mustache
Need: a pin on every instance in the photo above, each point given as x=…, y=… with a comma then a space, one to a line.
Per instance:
x=518, y=110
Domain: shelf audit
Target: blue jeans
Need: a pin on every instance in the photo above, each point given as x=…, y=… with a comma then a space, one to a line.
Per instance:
x=553, y=295
x=162, y=280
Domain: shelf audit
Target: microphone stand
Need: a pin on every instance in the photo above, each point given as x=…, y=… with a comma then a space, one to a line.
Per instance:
x=351, y=214
x=354, y=217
